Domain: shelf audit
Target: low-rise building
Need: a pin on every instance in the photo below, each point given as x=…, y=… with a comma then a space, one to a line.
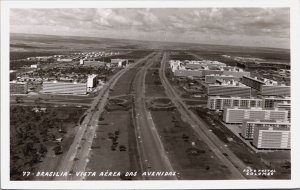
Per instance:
x=267, y=87
x=34, y=66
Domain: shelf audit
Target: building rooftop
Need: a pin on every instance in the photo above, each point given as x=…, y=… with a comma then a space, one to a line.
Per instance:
x=229, y=83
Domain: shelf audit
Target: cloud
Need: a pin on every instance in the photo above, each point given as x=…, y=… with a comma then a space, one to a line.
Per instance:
x=237, y=24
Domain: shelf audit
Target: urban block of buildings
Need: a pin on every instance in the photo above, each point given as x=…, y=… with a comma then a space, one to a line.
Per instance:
x=203, y=68
x=119, y=62
x=267, y=87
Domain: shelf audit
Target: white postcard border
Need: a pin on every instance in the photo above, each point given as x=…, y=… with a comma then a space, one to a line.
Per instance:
x=182, y=184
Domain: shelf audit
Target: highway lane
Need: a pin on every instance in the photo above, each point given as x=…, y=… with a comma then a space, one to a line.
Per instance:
x=77, y=156
x=234, y=164
x=152, y=153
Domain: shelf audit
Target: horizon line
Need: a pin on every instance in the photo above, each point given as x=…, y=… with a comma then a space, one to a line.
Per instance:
x=129, y=39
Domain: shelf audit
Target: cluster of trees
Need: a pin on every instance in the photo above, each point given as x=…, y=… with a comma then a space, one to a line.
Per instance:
x=31, y=133
x=114, y=138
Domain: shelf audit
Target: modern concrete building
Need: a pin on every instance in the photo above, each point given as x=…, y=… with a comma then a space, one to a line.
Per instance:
x=34, y=66
x=193, y=64
x=249, y=126
x=237, y=116
x=221, y=102
x=266, y=87
x=18, y=87
x=91, y=81
x=93, y=63
x=187, y=73
x=272, y=138
x=254, y=83
x=64, y=59
x=203, y=68
x=81, y=62
x=229, y=88
x=64, y=88
x=275, y=90
x=270, y=102
x=284, y=106
x=119, y=62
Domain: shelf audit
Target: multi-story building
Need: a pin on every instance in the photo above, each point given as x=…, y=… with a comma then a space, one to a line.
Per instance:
x=235, y=71
x=275, y=90
x=249, y=126
x=220, y=103
x=229, y=88
x=18, y=87
x=254, y=83
x=272, y=138
x=270, y=102
x=266, y=87
x=213, y=78
x=236, y=115
x=284, y=106
x=119, y=62
x=91, y=81
x=56, y=87
x=203, y=68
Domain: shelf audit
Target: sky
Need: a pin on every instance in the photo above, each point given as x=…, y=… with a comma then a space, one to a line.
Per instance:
x=263, y=27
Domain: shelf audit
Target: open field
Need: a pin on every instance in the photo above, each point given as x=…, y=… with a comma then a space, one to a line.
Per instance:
x=106, y=150
x=191, y=162
x=35, y=137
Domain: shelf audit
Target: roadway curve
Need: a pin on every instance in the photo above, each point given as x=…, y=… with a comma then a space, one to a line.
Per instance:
x=234, y=164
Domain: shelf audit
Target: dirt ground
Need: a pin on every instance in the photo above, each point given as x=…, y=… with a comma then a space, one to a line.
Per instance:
x=192, y=162
x=103, y=158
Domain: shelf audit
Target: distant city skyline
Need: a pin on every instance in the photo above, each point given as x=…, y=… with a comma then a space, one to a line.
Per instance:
x=262, y=27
